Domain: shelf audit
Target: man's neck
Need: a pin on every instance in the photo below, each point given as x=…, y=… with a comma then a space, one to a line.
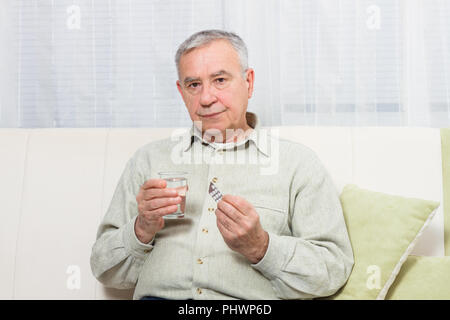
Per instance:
x=232, y=135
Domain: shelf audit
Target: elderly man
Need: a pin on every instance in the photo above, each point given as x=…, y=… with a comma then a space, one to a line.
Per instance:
x=278, y=234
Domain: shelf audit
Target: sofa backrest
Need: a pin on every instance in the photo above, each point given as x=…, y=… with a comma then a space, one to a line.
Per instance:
x=56, y=185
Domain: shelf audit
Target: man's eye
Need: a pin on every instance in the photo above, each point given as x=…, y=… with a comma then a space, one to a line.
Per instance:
x=194, y=85
x=220, y=80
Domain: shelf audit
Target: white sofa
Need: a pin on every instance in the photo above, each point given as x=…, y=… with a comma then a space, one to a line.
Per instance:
x=56, y=185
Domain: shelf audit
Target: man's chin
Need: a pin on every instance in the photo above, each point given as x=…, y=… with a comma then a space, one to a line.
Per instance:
x=213, y=129
x=208, y=124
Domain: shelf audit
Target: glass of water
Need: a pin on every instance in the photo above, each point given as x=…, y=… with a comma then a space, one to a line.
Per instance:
x=176, y=180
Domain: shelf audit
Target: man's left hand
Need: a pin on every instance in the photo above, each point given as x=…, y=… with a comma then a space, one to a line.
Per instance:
x=239, y=224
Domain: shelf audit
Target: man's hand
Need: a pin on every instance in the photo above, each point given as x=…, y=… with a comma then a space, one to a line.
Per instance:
x=154, y=201
x=238, y=222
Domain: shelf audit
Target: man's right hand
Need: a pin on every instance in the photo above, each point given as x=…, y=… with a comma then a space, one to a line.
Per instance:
x=154, y=202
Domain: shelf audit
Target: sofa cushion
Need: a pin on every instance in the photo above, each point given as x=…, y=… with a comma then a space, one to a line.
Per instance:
x=383, y=230
x=13, y=145
x=422, y=278
x=61, y=201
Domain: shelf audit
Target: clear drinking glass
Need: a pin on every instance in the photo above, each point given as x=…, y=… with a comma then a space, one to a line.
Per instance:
x=178, y=181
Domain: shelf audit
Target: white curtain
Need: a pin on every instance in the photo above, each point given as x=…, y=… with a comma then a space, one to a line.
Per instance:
x=109, y=63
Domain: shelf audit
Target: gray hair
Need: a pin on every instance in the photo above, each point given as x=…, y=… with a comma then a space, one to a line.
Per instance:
x=207, y=36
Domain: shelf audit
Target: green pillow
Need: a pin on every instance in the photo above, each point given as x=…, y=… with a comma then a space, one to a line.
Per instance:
x=422, y=278
x=383, y=230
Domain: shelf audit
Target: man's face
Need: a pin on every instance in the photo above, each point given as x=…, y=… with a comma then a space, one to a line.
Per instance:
x=212, y=86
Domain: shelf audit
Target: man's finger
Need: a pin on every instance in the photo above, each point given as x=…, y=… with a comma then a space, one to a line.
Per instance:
x=161, y=202
x=154, y=183
x=225, y=221
x=238, y=203
x=160, y=212
x=160, y=193
x=230, y=211
x=226, y=234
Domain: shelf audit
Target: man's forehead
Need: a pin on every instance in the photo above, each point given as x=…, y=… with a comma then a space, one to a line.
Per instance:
x=221, y=72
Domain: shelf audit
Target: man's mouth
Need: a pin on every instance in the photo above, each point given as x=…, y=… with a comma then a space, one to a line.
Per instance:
x=211, y=115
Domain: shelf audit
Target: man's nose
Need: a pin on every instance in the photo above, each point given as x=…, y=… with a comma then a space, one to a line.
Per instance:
x=207, y=96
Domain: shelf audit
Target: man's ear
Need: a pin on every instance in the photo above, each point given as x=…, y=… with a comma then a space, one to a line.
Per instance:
x=180, y=89
x=250, y=81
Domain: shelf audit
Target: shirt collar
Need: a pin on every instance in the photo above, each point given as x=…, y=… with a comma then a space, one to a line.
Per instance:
x=194, y=134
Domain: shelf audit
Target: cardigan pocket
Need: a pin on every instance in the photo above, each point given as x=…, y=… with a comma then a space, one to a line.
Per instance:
x=272, y=219
x=270, y=208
